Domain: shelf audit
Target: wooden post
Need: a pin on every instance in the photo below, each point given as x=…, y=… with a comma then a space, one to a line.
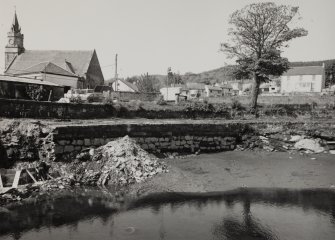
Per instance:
x=1, y=185
x=16, y=179
x=50, y=94
x=31, y=175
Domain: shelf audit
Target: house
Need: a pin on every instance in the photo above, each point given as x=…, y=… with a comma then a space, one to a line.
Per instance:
x=269, y=88
x=121, y=85
x=241, y=86
x=213, y=91
x=303, y=79
x=171, y=93
x=16, y=88
x=71, y=69
x=195, y=90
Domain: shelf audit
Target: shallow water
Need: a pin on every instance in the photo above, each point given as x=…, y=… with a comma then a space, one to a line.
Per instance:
x=238, y=214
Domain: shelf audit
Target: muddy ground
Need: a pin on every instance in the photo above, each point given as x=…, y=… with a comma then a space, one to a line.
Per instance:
x=229, y=170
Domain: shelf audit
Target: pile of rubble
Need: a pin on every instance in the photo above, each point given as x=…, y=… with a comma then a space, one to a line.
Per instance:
x=17, y=194
x=20, y=140
x=120, y=162
x=282, y=143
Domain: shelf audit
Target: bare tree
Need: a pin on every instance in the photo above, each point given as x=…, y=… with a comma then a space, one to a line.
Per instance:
x=259, y=32
x=173, y=78
x=145, y=83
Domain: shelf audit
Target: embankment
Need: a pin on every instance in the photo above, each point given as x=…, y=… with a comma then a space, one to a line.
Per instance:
x=55, y=141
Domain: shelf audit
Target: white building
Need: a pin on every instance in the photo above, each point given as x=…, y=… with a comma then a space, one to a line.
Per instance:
x=170, y=93
x=121, y=85
x=269, y=88
x=213, y=91
x=303, y=79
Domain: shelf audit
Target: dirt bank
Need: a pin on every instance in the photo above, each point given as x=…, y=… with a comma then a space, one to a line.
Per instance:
x=229, y=170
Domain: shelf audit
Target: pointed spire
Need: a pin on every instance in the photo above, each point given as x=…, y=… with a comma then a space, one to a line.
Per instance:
x=15, y=25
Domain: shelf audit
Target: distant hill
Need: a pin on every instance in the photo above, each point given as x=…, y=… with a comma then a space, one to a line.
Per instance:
x=210, y=77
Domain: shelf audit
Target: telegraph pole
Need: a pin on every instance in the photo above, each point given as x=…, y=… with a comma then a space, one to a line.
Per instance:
x=116, y=77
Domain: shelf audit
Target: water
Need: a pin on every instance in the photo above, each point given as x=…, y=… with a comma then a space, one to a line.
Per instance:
x=239, y=214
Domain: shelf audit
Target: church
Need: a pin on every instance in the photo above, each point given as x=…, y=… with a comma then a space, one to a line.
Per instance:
x=70, y=69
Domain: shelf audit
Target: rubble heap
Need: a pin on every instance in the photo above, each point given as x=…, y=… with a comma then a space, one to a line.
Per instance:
x=20, y=140
x=118, y=163
x=283, y=143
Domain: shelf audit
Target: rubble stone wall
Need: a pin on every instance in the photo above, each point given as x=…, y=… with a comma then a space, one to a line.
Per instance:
x=64, y=142
x=16, y=108
x=127, y=96
x=32, y=109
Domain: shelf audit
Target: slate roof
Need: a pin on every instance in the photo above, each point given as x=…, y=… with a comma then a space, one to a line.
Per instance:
x=26, y=80
x=214, y=88
x=304, y=70
x=73, y=61
x=48, y=67
x=195, y=86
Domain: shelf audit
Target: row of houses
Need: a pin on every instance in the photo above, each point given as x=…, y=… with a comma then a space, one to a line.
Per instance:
x=305, y=79
x=197, y=90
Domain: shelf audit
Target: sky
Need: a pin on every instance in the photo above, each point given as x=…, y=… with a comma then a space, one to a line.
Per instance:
x=152, y=35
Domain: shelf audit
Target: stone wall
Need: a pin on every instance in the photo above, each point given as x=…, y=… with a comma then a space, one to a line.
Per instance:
x=65, y=142
x=127, y=96
x=15, y=108
x=275, y=100
x=32, y=109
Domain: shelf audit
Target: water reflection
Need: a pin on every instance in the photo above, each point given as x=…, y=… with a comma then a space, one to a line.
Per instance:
x=238, y=214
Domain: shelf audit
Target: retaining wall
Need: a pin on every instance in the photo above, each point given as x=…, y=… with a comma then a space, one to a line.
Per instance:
x=14, y=108
x=32, y=109
x=65, y=142
x=127, y=96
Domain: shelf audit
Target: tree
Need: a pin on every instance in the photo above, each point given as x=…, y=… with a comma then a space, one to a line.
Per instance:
x=145, y=83
x=173, y=78
x=259, y=32
x=37, y=92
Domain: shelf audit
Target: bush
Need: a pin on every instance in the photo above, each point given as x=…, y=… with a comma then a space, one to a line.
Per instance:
x=198, y=107
x=236, y=105
x=134, y=105
x=314, y=104
x=108, y=101
x=160, y=101
x=37, y=93
x=77, y=100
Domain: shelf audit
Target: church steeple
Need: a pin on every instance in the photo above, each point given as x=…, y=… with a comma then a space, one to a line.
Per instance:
x=14, y=46
x=15, y=25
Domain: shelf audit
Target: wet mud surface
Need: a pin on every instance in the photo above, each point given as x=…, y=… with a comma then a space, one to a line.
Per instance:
x=229, y=170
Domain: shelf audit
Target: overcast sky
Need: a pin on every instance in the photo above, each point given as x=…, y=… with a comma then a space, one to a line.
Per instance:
x=152, y=35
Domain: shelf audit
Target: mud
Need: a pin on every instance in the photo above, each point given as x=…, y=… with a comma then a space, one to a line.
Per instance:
x=229, y=170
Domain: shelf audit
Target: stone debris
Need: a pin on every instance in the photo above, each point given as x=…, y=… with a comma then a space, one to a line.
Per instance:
x=309, y=144
x=283, y=143
x=20, y=140
x=120, y=162
x=17, y=194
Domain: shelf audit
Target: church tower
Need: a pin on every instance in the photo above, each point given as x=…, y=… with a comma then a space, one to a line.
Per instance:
x=14, y=46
